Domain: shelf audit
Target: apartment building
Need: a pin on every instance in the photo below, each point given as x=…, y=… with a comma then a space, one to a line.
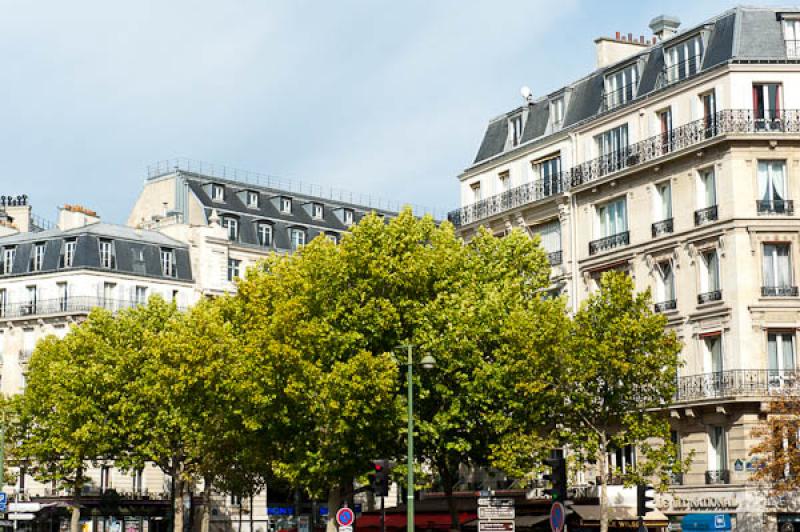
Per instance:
x=677, y=160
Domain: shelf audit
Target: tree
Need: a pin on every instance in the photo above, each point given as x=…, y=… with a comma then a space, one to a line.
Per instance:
x=62, y=422
x=778, y=447
x=617, y=376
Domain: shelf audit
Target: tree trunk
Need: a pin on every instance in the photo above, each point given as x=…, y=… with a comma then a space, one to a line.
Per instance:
x=334, y=499
x=177, y=503
x=205, y=524
x=75, y=508
x=602, y=459
x=447, y=485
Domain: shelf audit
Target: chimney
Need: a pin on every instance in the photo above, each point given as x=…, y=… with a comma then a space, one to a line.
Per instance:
x=74, y=216
x=612, y=49
x=664, y=26
x=16, y=214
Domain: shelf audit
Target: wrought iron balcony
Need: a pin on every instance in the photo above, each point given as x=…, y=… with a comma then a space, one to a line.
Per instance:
x=555, y=258
x=708, y=297
x=609, y=242
x=676, y=479
x=69, y=305
x=738, y=383
x=664, y=306
x=779, y=291
x=703, y=216
x=662, y=228
x=726, y=122
x=777, y=207
x=721, y=476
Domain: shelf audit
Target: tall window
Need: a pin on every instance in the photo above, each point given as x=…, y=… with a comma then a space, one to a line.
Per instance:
x=707, y=189
x=286, y=205
x=109, y=291
x=557, y=112
x=665, y=286
x=623, y=459
x=33, y=298
x=504, y=179
x=780, y=355
x=515, y=124
x=217, y=192
x=476, y=191
x=264, y=231
x=766, y=104
x=168, y=262
x=37, y=261
x=663, y=205
x=297, y=237
x=665, y=129
x=612, y=141
x=106, y=254
x=549, y=172
x=718, y=452
x=550, y=234
x=252, y=199
x=140, y=295
x=612, y=218
x=777, y=269
x=772, y=187
x=347, y=215
x=8, y=259
x=63, y=296
x=684, y=59
x=709, y=101
x=3, y=303
x=709, y=276
x=231, y=225
x=69, y=253
x=791, y=36
x=233, y=268
x=713, y=353
x=317, y=211
x=621, y=86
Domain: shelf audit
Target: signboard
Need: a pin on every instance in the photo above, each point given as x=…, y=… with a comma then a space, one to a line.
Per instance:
x=706, y=522
x=496, y=513
x=558, y=516
x=495, y=526
x=23, y=507
x=345, y=529
x=303, y=523
x=495, y=501
x=3, y=502
x=21, y=517
x=6, y=522
x=345, y=517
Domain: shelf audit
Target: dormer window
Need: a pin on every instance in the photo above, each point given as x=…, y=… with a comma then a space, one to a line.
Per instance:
x=264, y=232
x=37, y=258
x=217, y=192
x=621, y=86
x=252, y=199
x=683, y=59
x=8, y=259
x=168, y=262
x=791, y=35
x=231, y=225
x=557, y=112
x=348, y=216
x=69, y=253
x=515, y=125
x=106, y=254
x=286, y=205
x=317, y=211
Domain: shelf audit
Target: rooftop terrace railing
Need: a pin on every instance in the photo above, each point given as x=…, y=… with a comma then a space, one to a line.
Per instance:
x=726, y=122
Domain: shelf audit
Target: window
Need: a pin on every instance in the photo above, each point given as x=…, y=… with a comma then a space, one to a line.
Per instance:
x=109, y=289
x=777, y=270
x=347, y=214
x=106, y=254
x=557, y=112
x=137, y=478
x=612, y=218
x=37, y=260
x=105, y=478
x=3, y=304
x=168, y=262
x=622, y=460
x=8, y=259
x=505, y=180
x=477, y=195
x=709, y=277
x=217, y=193
x=33, y=298
x=264, y=232
x=717, y=457
x=612, y=146
x=332, y=237
x=231, y=225
x=767, y=105
x=515, y=125
x=706, y=197
x=286, y=205
x=620, y=86
x=297, y=237
x=665, y=129
x=709, y=101
x=791, y=36
x=780, y=356
x=663, y=205
x=69, y=253
x=549, y=172
x=712, y=353
x=63, y=296
x=140, y=295
x=665, y=285
x=550, y=234
x=684, y=59
x=233, y=268
x=252, y=199
x=772, y=188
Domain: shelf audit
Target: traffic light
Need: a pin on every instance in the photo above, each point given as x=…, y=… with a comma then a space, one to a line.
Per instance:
x=379, y=479
x=557, y=476
x=644, y=494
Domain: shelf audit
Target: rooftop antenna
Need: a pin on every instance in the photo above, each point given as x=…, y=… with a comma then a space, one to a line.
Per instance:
x=526, y=93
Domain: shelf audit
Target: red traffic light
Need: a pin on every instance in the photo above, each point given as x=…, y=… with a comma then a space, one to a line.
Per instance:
x=378, y=468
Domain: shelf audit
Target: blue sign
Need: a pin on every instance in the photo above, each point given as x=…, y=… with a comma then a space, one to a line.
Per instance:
x=3, y=503
x=706, y=522
x=280, y=510
x=558, y=515
x=323, y=510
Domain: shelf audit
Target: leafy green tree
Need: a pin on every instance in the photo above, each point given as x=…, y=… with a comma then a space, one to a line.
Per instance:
x=62, y=423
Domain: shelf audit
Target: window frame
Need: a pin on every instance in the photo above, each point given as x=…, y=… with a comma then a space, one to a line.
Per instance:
x=629, y=76
x=9, y=256
x=285, y=204
x=317, y=206
x=167, y=260
x=234, y=269
x=261, y=235
x=301, y=242
x=37, y=256
x=348, y=215
x=600, y=218
x=677, y=68
x=774, y=259
x=252, y=198
x=217, y=192
x=231, y=224
x=69, y=252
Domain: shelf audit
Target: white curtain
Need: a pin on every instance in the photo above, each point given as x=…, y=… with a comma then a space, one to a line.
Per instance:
x=550, y=234
x=710, y=191
x=769, y=265
x=665, y=191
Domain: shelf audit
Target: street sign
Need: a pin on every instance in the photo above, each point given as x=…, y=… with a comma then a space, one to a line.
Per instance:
x=495, y=501
x=496, y=513
x=495, y=526
x=558, y=516
x=6, y=522
x=24, y=507
x=345, y=517
x=345, y=529
x=3, y=502
x=21, y=517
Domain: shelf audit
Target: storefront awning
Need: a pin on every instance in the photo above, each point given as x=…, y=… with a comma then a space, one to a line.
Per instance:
x=591, y=515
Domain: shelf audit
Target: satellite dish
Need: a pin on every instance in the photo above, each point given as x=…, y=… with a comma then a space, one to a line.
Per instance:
x=526, y=93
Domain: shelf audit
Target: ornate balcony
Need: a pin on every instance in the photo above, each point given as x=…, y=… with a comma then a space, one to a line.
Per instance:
x=735, y=383
x=555, y=258
x=775, y=207
x=703, y=216
x=708, y=297
x=69, y=305
x=609, y=242
x=663, y=227
x=778, y=291
x=665, y=306
x=721, y=476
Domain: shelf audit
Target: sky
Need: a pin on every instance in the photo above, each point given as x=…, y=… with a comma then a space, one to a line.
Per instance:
x=387, y=99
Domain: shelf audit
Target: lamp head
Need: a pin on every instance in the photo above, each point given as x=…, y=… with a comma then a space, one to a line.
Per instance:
x=428, y=362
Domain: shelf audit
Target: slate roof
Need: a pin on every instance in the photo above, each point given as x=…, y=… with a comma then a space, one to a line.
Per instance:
x=136, y=252
x=740, y=34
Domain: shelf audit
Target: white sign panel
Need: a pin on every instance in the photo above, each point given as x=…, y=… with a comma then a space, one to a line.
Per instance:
x=21, y=517
x=495, y=526
x=22, y=507
x=496, y=513
x=493, y=501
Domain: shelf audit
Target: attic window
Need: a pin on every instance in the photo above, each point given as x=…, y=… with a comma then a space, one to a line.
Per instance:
x=621, y=86
x=286, y=205
x=684, y=59
x=217, y=193
x=557, y=112
x=348, y=216
x=515, y=124
x=791, y=36
x=317, y=211
x=252, y=199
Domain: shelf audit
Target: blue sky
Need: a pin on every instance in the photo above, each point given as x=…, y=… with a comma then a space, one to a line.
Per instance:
x=382, y=98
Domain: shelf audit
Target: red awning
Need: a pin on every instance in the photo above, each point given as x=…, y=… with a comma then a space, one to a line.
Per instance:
x=439, y=520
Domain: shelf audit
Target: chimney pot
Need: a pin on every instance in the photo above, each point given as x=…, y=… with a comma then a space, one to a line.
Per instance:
x=664, y=26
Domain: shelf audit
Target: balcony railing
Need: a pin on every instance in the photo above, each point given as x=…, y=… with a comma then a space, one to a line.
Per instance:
x=665, y=306
x=721, y=476
x=555, y=258
x=703, y=216
x=663, y=227
x=726, y=122
x=69, y=305
x=778, y=207
x=609, y=242
x=778, y=291
x=738, y=383
x=792, y=49
x=708, y=297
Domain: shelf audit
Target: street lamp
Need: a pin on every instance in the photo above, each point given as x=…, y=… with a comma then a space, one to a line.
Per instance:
x=427, y=362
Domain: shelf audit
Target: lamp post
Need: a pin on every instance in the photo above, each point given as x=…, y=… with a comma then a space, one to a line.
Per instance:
x=427, y=362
